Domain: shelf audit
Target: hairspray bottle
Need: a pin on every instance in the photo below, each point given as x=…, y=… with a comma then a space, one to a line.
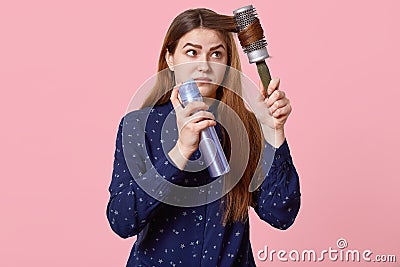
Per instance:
x=209, y=146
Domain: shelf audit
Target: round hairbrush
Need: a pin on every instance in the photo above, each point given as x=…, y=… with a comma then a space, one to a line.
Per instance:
x=252, y=39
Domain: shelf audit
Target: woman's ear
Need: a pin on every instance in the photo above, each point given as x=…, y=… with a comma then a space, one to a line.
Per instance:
x=170, y=60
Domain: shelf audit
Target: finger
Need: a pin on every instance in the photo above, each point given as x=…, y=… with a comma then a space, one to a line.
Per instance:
x=282, y=112
x=201, y=125
x=193, y=107
x=276, y=95
x=278, y=104
x=273, y=85
x=197, y=117
x=201, y=115
x=174, y=98
x=198, y=126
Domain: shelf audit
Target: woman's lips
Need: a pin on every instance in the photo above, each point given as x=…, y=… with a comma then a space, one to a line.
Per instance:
x=203, y=80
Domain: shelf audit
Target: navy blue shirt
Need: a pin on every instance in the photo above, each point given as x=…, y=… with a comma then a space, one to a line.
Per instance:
x=171, y=235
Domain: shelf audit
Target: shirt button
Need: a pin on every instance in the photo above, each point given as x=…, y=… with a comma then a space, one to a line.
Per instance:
x=200, y=217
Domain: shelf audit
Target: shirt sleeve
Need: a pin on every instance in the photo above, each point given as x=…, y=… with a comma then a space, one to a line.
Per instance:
x=130, y=207
x=277, y=200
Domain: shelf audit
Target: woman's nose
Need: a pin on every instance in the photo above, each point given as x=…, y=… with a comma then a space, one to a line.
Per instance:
x=203, y=65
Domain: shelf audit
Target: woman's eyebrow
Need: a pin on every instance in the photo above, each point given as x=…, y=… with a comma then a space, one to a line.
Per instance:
x=216, y=47
x=194, y=45
x=200, y=47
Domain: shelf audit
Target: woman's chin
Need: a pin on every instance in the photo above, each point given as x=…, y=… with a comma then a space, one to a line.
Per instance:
x=207, y=89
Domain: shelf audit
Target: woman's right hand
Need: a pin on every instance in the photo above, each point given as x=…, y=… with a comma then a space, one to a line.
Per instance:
x=191, y=120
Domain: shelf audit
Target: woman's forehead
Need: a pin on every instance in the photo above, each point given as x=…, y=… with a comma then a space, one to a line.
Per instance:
x=202, y=36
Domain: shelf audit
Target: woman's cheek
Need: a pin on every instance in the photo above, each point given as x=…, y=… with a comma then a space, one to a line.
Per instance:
x=220, y=73
x=182, y=73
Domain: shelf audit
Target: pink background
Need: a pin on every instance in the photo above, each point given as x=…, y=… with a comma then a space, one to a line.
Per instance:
x=68, y=70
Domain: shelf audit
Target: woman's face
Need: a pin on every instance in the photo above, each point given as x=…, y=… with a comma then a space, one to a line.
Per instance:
x=202, y=55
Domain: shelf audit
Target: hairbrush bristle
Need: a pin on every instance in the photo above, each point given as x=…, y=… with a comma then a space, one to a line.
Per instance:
x=250, y=33
x=244, y=17
x=260, y=44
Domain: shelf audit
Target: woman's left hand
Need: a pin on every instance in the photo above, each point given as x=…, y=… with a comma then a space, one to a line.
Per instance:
x=273, y=111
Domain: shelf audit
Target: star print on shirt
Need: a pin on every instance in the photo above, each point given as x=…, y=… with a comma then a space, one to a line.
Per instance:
x=186, y=236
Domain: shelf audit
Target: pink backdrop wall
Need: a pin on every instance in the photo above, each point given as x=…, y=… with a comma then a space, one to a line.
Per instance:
x=69, y=68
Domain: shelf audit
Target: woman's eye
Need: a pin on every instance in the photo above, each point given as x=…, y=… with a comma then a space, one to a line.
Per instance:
x=216, y=54
x=191, y=53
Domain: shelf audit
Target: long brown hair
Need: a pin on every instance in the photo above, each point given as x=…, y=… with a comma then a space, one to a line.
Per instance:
x=239, y=198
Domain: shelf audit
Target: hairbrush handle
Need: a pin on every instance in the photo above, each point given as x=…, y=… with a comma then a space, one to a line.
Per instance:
x=264, y=74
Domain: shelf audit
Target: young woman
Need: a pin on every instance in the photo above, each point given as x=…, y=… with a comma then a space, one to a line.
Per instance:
x=150, y=151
